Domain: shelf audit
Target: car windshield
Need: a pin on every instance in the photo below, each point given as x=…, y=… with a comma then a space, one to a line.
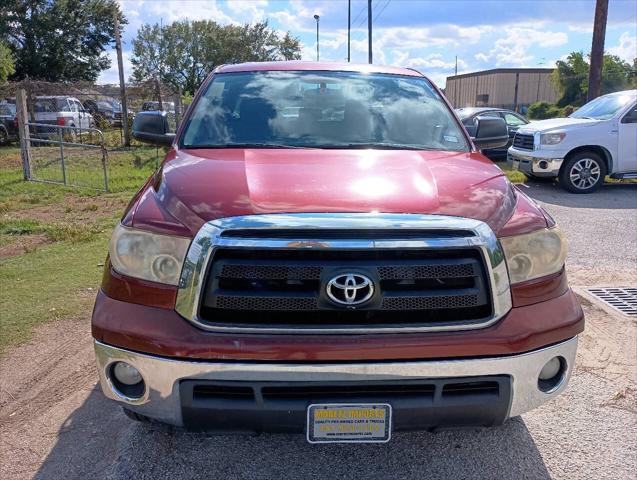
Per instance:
x=322, y=110
x=7, y=109
x=603, y=108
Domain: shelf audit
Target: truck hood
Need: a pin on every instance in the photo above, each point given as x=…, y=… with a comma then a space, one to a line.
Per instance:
x=195, y=186
x=555, y=123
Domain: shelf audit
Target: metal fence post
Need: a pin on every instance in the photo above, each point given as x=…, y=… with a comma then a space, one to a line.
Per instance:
x=23, y=132
x=61, y=140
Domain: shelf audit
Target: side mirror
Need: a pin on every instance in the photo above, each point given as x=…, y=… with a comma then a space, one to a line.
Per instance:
x=153, y=127
x=490, y=133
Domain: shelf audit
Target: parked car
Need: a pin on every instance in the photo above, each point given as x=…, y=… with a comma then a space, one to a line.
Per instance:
x=597, y=140
x=325, y=250
x=514, y=120
x=108, y=109
x=154, y=107
x=61, y=111
x=8, y=123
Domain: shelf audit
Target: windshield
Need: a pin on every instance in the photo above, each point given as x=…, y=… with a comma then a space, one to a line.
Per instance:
x=7, y=109
x=322, y=110
x=603, y=108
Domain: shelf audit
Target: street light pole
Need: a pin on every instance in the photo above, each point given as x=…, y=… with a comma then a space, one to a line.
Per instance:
x=349, y=28
x=369, y=31
x=316, y=17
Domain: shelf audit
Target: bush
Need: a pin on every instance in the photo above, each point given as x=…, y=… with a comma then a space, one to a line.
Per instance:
x=543, y=110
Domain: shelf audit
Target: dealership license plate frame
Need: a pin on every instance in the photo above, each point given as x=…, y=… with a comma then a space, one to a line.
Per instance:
x=337, y=422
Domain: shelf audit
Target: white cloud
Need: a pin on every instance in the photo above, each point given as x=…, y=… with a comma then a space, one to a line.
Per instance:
x=111, y=75
x=249, y=10
x=516, y=46
x=627, y=48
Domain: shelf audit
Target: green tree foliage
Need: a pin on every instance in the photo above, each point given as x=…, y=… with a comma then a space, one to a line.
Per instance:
x=58, y=40
x=184, y=52
x=7, y=63
x=571, y=77
x=543, y=110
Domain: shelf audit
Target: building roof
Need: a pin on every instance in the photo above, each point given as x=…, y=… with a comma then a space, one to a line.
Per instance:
x=314, y=66
x=502, y=70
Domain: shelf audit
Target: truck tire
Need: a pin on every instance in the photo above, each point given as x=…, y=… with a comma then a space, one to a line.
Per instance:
x=583, y=172
x=4, y=137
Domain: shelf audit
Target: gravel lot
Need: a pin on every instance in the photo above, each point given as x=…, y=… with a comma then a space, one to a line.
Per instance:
x=56, y=424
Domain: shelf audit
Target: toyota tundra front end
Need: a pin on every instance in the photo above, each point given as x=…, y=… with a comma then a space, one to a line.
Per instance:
x=325, y=251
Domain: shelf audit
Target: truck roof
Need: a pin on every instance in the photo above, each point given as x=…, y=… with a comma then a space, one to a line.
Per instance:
x=314, y=66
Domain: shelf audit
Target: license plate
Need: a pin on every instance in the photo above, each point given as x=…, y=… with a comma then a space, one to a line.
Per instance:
x=349, y=423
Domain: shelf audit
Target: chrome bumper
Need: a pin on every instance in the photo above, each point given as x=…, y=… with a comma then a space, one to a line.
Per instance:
x=161, y=399
x=534, y=165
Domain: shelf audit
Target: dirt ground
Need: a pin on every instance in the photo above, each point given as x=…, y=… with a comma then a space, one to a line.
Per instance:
x=55, y=423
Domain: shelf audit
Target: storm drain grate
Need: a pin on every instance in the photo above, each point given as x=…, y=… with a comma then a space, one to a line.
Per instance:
x=622, y=299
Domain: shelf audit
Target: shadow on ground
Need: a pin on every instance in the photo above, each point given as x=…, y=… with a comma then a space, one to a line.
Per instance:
x=610, y=196
x=97, y=441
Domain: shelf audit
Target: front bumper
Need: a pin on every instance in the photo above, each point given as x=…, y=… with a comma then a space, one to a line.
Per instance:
x=167, y=379
x=539, y=163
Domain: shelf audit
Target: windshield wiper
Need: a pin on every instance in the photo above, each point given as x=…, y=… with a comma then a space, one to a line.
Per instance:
x=244, y=145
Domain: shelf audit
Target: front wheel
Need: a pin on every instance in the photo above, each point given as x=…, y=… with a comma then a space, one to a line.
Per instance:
x=583, y=173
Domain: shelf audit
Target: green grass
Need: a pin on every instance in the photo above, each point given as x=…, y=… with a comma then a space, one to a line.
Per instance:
x=47, y=284
x=59, y=279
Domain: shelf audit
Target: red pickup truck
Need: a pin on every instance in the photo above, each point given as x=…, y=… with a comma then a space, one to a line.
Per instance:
x=324, y=250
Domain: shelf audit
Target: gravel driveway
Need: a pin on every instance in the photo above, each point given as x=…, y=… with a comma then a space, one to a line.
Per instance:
x=56, y=424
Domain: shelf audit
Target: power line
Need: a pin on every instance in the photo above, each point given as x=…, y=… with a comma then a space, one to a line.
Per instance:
x=359, y=14
x=381, y=10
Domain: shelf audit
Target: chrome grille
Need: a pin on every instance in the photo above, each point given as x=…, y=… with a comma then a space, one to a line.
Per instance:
x=269, y=274
x=523, y=141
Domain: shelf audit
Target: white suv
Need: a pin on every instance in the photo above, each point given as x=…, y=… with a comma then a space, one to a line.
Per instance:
x=597, y=140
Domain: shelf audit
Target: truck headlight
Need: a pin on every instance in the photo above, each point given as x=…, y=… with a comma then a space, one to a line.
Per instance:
x=534, y=254
x=552, y=138
x=148, y=256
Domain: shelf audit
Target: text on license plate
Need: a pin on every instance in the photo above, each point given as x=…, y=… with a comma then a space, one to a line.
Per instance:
x=334, y=423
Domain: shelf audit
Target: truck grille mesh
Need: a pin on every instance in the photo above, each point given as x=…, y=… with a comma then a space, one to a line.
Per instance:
x=287, y=288
x=523, y=142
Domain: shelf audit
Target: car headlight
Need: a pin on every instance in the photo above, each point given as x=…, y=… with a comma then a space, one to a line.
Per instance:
x=536, y=254
x=552, y=138
x=148, y=256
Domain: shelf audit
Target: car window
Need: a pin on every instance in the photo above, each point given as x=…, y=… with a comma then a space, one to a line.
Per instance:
x=631, y=116
x=7, y=109
x=44, y=105
x=322, y=109
x=603, y=108
x=513, y=119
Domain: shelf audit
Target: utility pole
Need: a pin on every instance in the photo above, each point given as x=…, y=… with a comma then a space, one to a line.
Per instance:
x=122, y=84
x=349, y=28
x=597, y=50
x=317, y=18
x=369, y=31
x=455, y=84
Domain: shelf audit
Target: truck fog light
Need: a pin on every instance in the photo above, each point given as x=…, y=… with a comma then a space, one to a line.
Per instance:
x=543, y=164
x=126, y=381
x=126, y=374
x=551, y=374
x=551, y=369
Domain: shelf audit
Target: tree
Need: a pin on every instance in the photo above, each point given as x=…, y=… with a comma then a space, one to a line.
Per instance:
x=59, y=40
x=7, y=64
x=570, y=77
x=184, y=52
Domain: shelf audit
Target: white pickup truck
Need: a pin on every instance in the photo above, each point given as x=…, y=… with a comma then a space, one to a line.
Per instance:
x=597, y=140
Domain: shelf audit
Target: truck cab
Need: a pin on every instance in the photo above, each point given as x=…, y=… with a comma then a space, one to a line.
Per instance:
x=597, y=140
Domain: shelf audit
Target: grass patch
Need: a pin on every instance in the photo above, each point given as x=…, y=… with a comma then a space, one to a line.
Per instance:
x=49, y=283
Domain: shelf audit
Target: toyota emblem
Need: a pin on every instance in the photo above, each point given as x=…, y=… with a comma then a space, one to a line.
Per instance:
x=350, y=289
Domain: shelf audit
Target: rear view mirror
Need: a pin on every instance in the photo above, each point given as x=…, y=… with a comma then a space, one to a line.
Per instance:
x=153, y=128
x=491, y=132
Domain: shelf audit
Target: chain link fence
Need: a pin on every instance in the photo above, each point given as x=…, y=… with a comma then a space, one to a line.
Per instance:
x=73, y=128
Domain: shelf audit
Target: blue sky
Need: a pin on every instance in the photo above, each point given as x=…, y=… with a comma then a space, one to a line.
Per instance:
x=424, y=34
